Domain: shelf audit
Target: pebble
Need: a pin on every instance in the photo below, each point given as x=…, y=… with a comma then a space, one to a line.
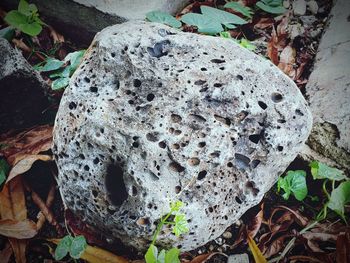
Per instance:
x=286, y=4
x=219, y=241
x=227, y=235
x=308, y=20
x=313, y=6
x=211, y=248
x=299, y=7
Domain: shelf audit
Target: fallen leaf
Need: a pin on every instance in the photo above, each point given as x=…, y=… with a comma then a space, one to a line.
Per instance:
x=287, y=60
x=56, y=37
x=272, y=50
x=205, y=257
x=97, y=255
x=25, y=164
x=255, y=224
x=31, y=141
x=304, y=259
x=320, y=236
x=6, y=253
x=18, y=229
x=12, y=206
x=299, y=219
x=264, y=22
x=343, y=248
x=21, y=45
x=49, y=200
x=275, y=246
x=258, y=256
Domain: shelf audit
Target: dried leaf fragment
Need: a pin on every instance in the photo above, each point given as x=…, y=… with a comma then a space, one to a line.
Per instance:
x=18, y=229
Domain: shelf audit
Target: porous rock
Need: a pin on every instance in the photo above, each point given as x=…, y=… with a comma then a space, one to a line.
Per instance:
x=22, y=90
x=154, y=114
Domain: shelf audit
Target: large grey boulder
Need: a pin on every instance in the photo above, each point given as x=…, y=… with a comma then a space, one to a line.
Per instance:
x=23, y=92
x=154, y=114
x=328, y=91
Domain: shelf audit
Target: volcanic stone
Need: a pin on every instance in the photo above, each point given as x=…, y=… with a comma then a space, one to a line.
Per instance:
x=154, y=114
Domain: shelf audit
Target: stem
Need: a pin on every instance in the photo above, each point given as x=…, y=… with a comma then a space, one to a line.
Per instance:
x=160, y=226
x=325, y=189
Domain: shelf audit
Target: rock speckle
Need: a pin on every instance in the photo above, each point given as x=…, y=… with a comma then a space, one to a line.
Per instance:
x=175, y=116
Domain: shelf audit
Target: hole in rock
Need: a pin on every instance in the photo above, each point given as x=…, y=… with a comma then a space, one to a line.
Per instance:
x=276, y=97
x=218, y=61
x=72, y=105
x=176, y=167
x=159, y=49
x=93, y=89
x=137, y=83
x=115, y=184
x=133, y=191
x=177, y=189
x=262, y=105
x=150, y=97
x=299, y=112
x=203, y=69
x=255, y=163
x=280, y=148
x=254, y=138
x=201, y=144
x=199, y=82
x=162, y=144
x=175, y=118
x=152, y=136
x=240, y=77
x=238, y=200
x=201, y=175
x=223, y=120
x=242, y=161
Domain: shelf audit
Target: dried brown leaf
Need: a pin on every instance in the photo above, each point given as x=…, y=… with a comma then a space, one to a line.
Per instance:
x=18, y=229
x=320, y=236
x=49, y=200
x=6, y=253
x=205, y=257
x=275, y=246
x=264, y=22
x=314, y=246
x=56, y=37
x=19, y=247
x=343, y=248
x=21, y=45
x=299, y=219
x=287, y=60
x=255, y=224
x=304, y=259
x=25, y=164
x=272, y=50
x=31, y=141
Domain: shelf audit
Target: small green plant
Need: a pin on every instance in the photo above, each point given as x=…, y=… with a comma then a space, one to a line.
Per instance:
x=212, y=20
x=293, y=183
x=164, y=18
x=25, y=18
x=238, y=7
x=243, y=42
x=4, y=169
x=61, y=71
x=75, y=246
x=271, y=6
x=180, y=227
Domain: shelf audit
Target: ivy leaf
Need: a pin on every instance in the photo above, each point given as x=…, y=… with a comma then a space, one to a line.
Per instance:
x=15, y=18
x=4, y=169
x=176, y=206
x=32, y=29
x=60, y=83
x=269, y=8
x=204, y=24
x=74, y=59
x=294, y=182
x=180, y=226
x=77, y=247
x=164, y=18
x=51, y=64
x=172, y=256
x=63, y=247
x=340, y=196
x=161, y=256
x=151, y=254
x=26, y=9
x=222, y=17
x=238, y=7
x=322, y=171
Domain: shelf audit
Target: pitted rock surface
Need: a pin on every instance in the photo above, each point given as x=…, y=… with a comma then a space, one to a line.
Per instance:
x=154, y=114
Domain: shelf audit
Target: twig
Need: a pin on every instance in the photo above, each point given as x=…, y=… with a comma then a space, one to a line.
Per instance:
x=49, y=201
x=44, y=209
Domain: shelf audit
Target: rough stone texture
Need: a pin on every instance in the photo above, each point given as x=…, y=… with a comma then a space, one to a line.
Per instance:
x=328, y=91
x=82, y=19
x=154, y=114
x=22, y=90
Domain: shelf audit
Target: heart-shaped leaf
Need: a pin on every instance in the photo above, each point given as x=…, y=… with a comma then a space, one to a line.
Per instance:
x=164, y=18
x=238, y=7
x=204, y=24
x=271, y=9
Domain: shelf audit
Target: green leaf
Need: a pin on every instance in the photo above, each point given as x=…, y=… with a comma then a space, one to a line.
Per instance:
x=271, y=8
x=77, y=247
x=225, y=34
x=32, y=29
x=23, y=7
x=161, y=256
x=4, y=169
x=63, y=247
x=238, y=7
x=15, y=19
x=52, y=64
x=246, y=44
x=151, y=254
x=7, y=33
x=75, y=59
x=181, y=225
x=176, y=206
x=172, y=256
x=294, y=182
x=59, y=83
x=164, y=18
x=322, y=171
x=340, y=196
x=222, y=17
x=204, y=24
